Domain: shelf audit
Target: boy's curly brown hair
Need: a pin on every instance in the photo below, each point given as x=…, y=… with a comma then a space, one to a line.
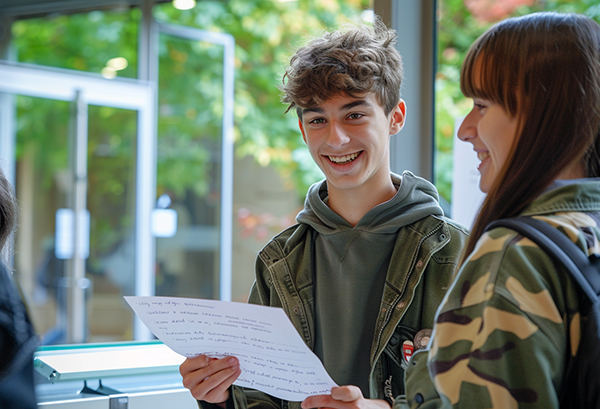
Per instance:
x=351, y=61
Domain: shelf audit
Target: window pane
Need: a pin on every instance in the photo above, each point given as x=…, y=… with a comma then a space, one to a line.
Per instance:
x=189, y=166
x=100, y=42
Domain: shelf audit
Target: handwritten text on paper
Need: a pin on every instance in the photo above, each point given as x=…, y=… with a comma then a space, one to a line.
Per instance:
x=273, y=357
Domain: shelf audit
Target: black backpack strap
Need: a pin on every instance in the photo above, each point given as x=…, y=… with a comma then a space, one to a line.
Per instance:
x=556, y=244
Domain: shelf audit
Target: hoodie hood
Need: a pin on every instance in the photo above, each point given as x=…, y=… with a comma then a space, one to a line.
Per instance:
x=415, y=199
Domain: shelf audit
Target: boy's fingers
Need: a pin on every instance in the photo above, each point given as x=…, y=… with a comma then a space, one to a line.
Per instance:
x=347, y=393
x=316, y=401
x=220, y=392
x=201, y=375
x=193, y=364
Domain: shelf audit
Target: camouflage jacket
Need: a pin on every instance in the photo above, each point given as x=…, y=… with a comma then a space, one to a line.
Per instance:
x=510, y=321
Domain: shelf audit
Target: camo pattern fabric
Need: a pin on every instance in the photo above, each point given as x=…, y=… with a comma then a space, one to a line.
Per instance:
x=511, y=320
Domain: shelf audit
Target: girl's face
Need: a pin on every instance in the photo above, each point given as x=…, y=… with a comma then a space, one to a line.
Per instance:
x=492, y=132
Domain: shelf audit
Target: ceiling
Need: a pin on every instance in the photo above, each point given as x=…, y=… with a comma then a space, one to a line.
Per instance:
x=35, y=8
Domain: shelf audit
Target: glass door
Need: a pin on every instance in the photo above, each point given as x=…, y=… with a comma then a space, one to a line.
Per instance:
x=79, y=150
x=194, y=163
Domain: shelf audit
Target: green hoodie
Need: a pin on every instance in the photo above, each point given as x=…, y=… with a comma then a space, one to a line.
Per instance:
x=351, y=264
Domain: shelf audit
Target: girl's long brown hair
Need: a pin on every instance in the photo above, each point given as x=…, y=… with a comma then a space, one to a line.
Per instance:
x=544, y=69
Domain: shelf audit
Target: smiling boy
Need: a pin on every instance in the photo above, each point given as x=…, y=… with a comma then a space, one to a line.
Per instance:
x=348, y=138
x=368, y=262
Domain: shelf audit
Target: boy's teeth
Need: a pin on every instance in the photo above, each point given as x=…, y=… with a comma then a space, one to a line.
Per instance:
x=482, y=155
x=343, y=159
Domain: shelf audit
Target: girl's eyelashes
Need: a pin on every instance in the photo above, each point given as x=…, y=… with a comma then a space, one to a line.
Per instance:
x=478, y=102
x=479, y=105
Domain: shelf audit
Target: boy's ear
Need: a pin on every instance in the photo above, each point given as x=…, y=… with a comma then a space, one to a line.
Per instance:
x=302, y=129
x=397, y=118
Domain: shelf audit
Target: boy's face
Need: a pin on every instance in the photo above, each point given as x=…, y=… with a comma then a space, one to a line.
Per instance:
x=348, y=138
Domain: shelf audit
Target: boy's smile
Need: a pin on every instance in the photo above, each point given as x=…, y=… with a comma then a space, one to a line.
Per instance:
x=348, y=137
x=344, y=159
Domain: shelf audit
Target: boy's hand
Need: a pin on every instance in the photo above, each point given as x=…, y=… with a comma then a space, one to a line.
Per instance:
x=209, y=379
x=344, y=397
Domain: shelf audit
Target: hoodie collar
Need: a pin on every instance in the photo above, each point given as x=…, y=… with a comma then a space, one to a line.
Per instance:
x=415, y=199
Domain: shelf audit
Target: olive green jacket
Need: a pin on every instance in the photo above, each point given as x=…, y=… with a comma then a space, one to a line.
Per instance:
x=421, y=267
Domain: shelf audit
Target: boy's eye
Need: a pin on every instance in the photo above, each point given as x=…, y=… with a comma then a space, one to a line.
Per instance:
x=317, y=121
x=355, y=116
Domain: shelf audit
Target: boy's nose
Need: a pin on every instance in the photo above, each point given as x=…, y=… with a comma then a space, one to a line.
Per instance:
x=337, y=135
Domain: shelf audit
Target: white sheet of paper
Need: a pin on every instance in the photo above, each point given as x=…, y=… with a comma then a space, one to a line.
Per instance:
x=273, y=357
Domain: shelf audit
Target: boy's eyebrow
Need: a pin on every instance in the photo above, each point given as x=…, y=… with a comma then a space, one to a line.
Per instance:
x=356, y=103
x=317, y=110
x=345, y=107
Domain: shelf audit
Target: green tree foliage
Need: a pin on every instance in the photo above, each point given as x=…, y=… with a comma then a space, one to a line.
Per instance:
x=83, y=42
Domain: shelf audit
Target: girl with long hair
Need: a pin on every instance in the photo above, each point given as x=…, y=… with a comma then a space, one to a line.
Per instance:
x=511, y=321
